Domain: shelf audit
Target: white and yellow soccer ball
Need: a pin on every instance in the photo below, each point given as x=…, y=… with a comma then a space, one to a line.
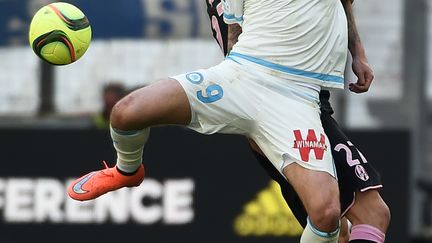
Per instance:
x=60, y=33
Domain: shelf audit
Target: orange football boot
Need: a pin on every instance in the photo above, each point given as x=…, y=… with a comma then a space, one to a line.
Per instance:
x=97, y=183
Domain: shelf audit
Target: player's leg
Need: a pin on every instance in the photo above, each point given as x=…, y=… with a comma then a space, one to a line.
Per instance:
x=370, y=217
x=344, y=234
x=369, y=214
x=164, y=102
x=291, y=136
x=321, y=202
x=320, y=196
x=196, y=99
x=289, y=194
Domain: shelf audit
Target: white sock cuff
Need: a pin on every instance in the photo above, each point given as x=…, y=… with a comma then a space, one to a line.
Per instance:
x=320, y=233
x=145, y=131
x=129, y=146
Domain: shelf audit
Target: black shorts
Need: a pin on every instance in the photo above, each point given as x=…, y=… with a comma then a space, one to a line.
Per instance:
x=354, y=172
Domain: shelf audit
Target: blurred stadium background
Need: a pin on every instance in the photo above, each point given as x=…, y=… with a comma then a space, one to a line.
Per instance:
x=48, y=132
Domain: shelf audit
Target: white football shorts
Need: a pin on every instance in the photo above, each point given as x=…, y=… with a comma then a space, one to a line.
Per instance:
x=280, y=115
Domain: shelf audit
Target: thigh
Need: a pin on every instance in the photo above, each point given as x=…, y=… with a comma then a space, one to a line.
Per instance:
x=318, y=191
x=291, y=135
x=163, y=102
x=355, y=173
x=290, y=131
x=221, y=99
x=289, y=194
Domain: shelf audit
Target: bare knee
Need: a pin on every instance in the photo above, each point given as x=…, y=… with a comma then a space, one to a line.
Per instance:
x=381, y=215
x=369, y=208
x=121, y=117
x=145, y=107
x=325, y=214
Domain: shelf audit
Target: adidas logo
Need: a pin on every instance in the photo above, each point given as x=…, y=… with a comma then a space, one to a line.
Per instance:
x=267, y=215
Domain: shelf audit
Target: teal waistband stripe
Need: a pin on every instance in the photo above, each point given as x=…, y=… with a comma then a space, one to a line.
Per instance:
x=285, y=69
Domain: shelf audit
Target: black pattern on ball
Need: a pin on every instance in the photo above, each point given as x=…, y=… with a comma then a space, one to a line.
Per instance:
x=51, y=37
x=73, y=24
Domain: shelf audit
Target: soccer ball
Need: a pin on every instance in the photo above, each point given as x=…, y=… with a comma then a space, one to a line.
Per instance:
x=60, y=33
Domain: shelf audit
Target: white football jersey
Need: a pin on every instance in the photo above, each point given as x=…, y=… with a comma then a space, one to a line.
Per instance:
x=304, y=39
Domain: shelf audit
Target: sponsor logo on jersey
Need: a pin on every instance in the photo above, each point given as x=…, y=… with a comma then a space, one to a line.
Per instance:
x=310, y=143
x=267, y=215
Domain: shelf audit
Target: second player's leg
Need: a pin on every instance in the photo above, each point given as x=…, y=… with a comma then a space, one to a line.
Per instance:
x=369, y=215
x=344, y=231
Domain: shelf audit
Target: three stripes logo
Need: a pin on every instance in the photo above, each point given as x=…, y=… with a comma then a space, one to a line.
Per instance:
x=310, y=143
x=267, y=215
